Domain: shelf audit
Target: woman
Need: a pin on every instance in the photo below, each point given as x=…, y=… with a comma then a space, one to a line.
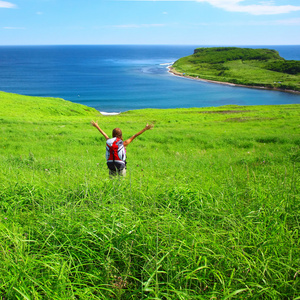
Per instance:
x=116, y=149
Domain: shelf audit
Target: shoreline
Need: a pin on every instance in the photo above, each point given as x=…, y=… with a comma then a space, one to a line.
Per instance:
x=176, y=73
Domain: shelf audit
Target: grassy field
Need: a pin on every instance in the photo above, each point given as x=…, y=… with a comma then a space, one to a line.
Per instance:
x=250, y=67
x=209, y=208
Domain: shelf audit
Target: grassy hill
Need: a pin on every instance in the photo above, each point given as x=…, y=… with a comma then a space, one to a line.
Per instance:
x=209, y=208
x=37, y=108
x=242, y=66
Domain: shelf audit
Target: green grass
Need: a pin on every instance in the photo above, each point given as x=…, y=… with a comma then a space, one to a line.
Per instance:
x=209, y=208
x=241, y=66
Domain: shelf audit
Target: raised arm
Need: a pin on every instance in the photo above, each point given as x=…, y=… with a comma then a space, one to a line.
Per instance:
x=127, y=142
x=101, y=131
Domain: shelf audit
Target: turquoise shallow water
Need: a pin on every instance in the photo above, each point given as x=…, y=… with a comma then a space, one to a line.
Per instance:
x=120, y=78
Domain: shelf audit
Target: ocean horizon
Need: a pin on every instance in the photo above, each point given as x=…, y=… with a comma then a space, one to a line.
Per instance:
x=118, y=78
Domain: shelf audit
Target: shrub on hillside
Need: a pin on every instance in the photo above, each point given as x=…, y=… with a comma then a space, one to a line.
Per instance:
x=287, y=66
x=224, y=54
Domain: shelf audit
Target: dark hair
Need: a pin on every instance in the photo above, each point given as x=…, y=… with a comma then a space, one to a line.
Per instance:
x=117, y=132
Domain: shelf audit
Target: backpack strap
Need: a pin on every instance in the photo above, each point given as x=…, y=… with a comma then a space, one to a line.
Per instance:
x=113, y=149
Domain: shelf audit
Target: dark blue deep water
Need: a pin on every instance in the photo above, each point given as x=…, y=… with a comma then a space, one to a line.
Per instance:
x=120, y=78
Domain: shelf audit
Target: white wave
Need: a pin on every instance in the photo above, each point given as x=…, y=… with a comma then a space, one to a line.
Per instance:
x=109, y=113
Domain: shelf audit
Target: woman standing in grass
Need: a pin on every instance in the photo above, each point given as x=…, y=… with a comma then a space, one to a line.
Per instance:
x=116, y=149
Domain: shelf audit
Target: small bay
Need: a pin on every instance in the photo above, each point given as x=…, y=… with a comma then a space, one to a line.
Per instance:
x=116, y=78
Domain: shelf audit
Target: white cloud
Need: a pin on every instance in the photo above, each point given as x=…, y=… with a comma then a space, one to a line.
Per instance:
x=295, y=21
x=14, y=28
x=5, y=4
x=262, y=8
x=283, y=22
x=266, y=7
x=137, y=25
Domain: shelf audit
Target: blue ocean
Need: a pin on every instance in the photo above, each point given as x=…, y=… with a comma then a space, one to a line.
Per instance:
x=116, y=78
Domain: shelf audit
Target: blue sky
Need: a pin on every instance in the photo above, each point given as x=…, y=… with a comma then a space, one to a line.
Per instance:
x=189, y=22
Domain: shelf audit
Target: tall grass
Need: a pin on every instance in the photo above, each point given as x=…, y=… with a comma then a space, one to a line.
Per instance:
x=209, y=208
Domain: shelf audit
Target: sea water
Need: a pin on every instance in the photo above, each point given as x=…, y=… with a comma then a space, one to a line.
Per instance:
x=116, y=78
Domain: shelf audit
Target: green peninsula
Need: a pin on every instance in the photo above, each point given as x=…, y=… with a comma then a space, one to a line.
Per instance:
x=258, y=68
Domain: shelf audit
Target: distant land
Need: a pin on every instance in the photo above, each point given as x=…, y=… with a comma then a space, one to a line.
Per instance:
x=256, y=68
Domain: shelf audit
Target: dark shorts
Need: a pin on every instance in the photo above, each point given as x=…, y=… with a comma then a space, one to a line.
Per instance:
x=116, y=168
